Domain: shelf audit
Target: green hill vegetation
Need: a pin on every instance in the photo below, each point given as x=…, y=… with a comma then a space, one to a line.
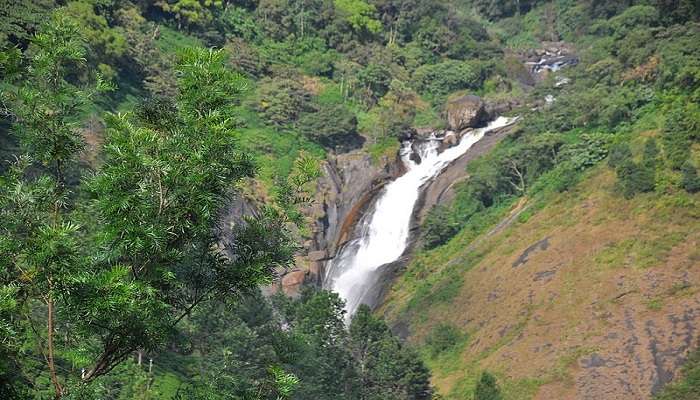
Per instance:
x=127, y=126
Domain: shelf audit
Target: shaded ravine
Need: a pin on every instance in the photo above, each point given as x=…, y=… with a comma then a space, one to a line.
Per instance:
x=385, y=229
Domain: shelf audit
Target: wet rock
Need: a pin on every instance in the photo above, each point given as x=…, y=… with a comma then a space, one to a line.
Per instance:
x=465, y=112
x=348, y=185
x=423, y=133
x=318, y=255
x=450, y=139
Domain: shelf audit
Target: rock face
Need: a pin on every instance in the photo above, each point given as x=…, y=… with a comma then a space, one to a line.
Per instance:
x=291, y=282
x=347, y=187
x=465, y=112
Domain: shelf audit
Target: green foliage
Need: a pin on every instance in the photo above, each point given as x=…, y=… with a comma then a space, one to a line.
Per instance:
x=442, y=338
x=281, y=101
x=681, y=129
x=143, y=221
x=396, y=111
x=389, y=370
x=487, y=388
x=110, y=43
x=359, y=14
x=47, y=103
x=19, y=19
x=587, y=151
x=190, y=12
x=375, y=79
x=691, y=180
x=634, y=178
x=619, y=154
x=439, y=226
x=332, y=125
x=441, y=79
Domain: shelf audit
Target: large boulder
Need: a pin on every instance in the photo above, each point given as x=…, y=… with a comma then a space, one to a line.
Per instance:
x=465, y=112
x=292, y=281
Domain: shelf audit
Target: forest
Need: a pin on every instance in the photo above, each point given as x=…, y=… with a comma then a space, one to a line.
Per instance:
x=128, y=126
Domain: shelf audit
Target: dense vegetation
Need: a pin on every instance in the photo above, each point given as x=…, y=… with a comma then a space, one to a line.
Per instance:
x=617, y=91
x=128, y=125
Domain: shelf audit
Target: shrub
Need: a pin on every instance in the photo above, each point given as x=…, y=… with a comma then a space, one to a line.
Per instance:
x=281, y=100
x=332, y=125
x=634, y=17
x=442, y=338
x=587, y=152
x=447, y=77
x=691, y=181
x=635, y=178
x=681, y=129
x=487, y=388
x=439, y=227
x=619, y=154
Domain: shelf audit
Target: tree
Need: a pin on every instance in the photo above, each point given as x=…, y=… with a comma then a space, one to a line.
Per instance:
x=39, y=238
x=165, y=176
x=397, y=110
x=487, y=388
x=332, y=125
x=191, y=13
x=387, y=369
x=619, y=154
x=651, y=153
x=439, y=226
x=20, y=19
x=635, y=178
x=441, y=79
x=155, y=69
x=319, y=340
x=359, y=14
x=691, y=181
x=682, y=128
x=281, y=100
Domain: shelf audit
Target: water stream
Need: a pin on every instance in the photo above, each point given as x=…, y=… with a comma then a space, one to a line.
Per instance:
x=384, y=231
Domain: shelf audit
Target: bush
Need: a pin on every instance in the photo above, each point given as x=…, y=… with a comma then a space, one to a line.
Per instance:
x=587, y=152
x=281, y=100
x=439, y=227
x=487, y=388
x=691, y=181
x=687, y=388
x=682, y=128
x=632, y=18
x=442, y=338
x=635, y=178
x=332, y=125
x=619, y=154
x=447, y=77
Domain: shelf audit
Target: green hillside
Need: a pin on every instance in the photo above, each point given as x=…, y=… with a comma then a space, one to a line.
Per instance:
x=130, y=129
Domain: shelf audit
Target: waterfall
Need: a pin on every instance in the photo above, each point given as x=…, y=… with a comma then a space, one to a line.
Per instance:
x=384, y=231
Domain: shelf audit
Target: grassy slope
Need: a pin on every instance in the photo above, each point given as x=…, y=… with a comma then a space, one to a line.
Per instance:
x=613, y=278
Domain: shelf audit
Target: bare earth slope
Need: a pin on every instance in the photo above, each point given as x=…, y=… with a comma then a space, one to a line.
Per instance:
x=591, y=297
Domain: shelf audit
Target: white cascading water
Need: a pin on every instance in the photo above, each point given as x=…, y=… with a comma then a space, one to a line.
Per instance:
x=385, y=232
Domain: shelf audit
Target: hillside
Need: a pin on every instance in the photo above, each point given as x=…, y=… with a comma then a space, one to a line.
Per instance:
x=349, y=199
x=584, y=295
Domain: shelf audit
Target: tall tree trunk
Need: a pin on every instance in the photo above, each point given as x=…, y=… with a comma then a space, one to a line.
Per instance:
x=52, y=364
